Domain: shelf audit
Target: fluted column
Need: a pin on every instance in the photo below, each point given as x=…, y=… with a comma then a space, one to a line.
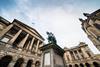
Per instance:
x=79, y=54
x=30, y=47
x=6, y=30
x=37, y=46
x=84, y=53
x=15, y=37
x=21, y=44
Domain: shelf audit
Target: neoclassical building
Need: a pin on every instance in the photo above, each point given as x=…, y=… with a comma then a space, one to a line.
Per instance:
x=22, y=46
x=91, y=27
x=81, y=56
x=19, y=44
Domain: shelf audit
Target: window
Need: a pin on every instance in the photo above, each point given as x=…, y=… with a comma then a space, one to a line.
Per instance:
x=97, y=26
x=5, y=39
x=98, y=38
x=4, y=61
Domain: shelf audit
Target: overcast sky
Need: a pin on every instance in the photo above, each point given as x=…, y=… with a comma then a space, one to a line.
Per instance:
x=57, y=16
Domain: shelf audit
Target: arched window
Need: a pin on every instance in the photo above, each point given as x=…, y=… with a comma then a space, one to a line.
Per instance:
x=4, y=61
x=19, y=62
x=96, y=64
x=29, y=63
x=70, y=65
x=81, y=65
x=87, y=64
x=37, y=64
x=76, y=65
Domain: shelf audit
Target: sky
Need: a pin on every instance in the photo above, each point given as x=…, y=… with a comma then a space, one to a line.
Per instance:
x=61, y=17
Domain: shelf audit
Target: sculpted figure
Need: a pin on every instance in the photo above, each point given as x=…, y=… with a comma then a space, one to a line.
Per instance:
x=51, y=38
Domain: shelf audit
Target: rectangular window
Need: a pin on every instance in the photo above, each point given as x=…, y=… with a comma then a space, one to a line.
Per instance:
x=5, y=39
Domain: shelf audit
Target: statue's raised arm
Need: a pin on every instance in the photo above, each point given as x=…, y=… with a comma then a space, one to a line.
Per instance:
x=51, y=38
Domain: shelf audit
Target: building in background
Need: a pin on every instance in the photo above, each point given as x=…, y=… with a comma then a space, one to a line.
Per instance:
x=19, y=44
x=81, y=56
x=91, y=27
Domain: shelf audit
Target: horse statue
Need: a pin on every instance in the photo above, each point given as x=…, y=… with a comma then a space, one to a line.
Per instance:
x=51, y=38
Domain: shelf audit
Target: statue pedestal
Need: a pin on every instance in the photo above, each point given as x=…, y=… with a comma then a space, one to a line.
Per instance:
x=52, y=56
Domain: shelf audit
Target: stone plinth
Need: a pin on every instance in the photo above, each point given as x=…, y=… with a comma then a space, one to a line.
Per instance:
x=52, y=56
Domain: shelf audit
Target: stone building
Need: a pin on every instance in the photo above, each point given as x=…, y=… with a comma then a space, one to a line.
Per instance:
x=19, y=44
x=91, y=27
x=81, y=56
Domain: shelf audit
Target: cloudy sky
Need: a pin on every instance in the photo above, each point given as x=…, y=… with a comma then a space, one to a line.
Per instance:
x=57, y=16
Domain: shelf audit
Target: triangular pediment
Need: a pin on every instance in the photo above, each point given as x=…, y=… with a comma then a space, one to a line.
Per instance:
x=28, y=27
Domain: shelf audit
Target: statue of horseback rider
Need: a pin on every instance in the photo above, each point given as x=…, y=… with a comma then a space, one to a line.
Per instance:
x=51, y=38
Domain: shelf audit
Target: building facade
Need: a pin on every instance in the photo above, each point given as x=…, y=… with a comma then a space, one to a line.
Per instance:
x=81, y=56
x=19, y=45
x=91, y=27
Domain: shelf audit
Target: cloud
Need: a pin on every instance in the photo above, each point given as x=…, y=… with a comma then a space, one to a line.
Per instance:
x=59, y=17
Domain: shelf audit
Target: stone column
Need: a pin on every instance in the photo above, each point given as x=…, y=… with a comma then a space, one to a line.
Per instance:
x=30, y=47
x=70, y=57
x=79, y=54
x=84, y=53
x=15, y=37
x=11, y=64
x=21, y=44
x=75, y=55
x=6, y=30
x=65, y=57
x=37, y=46
x=24, y=64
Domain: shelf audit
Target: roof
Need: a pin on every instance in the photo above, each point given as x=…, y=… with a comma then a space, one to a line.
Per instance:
x=94, y=13
x=81, y=44
x=28, y=27
x=21, y=23
x=4, y=21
